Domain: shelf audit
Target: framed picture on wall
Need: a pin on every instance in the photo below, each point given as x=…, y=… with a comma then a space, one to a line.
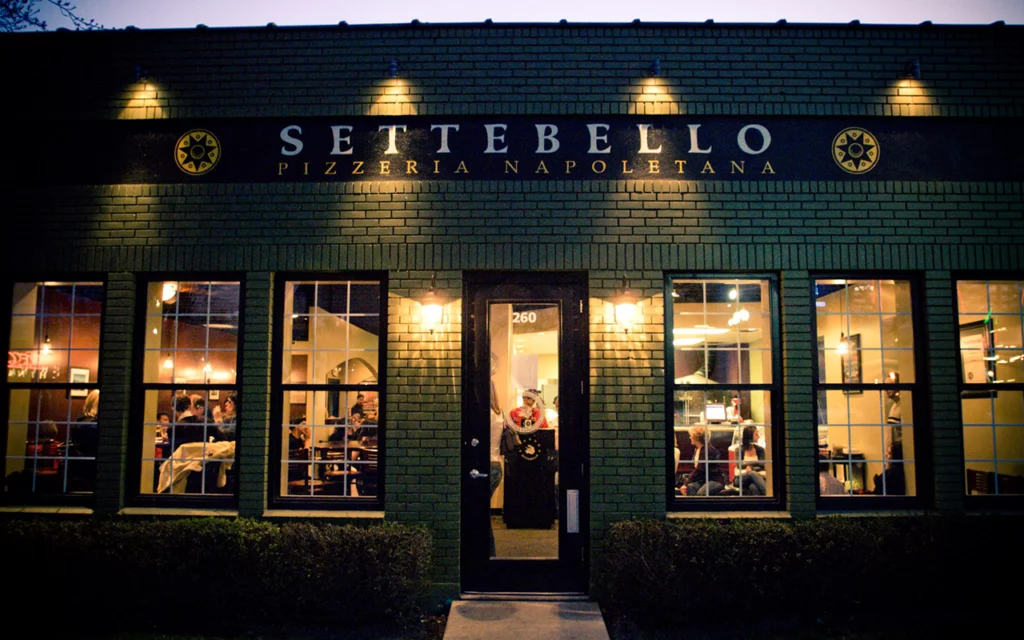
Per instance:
x=977, y=358
x=214, y=394
x=75, y=376
x=851, y=364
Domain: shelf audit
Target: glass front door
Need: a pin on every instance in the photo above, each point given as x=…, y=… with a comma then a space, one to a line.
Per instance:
x=524, y=480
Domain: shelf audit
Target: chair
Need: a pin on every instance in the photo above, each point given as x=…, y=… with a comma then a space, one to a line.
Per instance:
x=982, y=482
x=366, y=480
x=1008, y=484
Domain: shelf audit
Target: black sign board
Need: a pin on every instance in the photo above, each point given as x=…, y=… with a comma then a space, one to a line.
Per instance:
x=416, y=148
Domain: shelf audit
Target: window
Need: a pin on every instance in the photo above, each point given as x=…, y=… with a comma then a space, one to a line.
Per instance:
x=52, y=388
x=191, y=405
x=329, y=391
x=992, y=385
x=865, y=387
x=724, y=380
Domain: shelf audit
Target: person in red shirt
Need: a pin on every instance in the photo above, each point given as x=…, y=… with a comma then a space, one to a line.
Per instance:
x=529, y=417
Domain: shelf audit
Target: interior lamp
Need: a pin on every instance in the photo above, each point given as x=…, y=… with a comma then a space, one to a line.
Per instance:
x=431, y=310
x=169, y=291
x=46, y=345
x=843, y=347
x=626, y=310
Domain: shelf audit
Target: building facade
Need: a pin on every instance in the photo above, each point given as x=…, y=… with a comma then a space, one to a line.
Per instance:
x=515, y=282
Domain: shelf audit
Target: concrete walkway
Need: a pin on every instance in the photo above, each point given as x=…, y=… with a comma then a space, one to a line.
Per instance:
x=524, y=620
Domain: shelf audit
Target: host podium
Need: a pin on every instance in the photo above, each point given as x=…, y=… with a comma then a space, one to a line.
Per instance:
x=530, y=482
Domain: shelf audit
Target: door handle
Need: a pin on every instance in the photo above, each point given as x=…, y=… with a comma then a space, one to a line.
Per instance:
x=476, y=475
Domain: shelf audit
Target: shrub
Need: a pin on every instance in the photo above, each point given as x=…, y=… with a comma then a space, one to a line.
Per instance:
x=663, y=574
x=212, y=574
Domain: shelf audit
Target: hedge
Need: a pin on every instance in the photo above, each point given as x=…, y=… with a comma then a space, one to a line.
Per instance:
x=664, y=574
x=214, y=575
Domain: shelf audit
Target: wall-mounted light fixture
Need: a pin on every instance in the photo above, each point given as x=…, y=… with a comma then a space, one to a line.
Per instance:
x=393, y=69
x=656, y=68
x=46, y=345
x=431, y=310
x=141, y=74
x=913, y=70
x=626, y=309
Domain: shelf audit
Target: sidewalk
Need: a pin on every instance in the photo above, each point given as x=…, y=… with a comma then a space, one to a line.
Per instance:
x=524, y=620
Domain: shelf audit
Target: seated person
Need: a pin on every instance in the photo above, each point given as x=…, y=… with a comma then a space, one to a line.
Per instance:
x=828, y=484
x=892, y=480
x=750, y=476
x=299, y=434
x=348, y=431
x=707, y=478
x=192, y=425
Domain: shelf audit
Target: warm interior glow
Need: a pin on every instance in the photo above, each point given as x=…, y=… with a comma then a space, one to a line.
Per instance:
x=702, y=330
x=169, y=291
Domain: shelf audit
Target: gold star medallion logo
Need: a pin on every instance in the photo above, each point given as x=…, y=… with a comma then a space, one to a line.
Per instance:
x=856, y=150
x=197, y=152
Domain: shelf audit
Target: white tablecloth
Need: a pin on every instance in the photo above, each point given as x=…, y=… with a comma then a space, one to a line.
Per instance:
x=190, y=457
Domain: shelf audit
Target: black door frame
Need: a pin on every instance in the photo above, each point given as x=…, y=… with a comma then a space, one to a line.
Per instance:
x=569, y=573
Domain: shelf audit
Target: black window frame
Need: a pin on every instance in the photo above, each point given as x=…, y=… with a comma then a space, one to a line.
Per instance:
x=278, y=389
x=134, y=497
x=918, y=390
x=774, y=388
x=46, y=499
x=980, y=501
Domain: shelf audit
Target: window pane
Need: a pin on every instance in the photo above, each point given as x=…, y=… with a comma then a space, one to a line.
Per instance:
x=189, y=433
x=54, y=346
x=47, y=430
x=865, y=331
x=737, y=426
x=338, y=347
x=993, y=440
x=188, y=441
x=54, y=327
x=866, y=442
x=329, y=455
x=191, y=334
x=329, y=439
x=721, y=332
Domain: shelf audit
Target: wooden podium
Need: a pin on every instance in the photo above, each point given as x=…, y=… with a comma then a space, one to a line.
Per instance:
x=530, y=482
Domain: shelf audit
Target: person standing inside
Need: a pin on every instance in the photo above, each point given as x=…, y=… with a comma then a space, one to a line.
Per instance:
x=528, y=417
x=358, y=406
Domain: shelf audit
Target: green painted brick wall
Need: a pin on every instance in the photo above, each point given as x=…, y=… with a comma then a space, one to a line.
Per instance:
x=412, y=231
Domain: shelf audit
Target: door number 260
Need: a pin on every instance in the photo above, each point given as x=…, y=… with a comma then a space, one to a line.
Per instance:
x=524, y=317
